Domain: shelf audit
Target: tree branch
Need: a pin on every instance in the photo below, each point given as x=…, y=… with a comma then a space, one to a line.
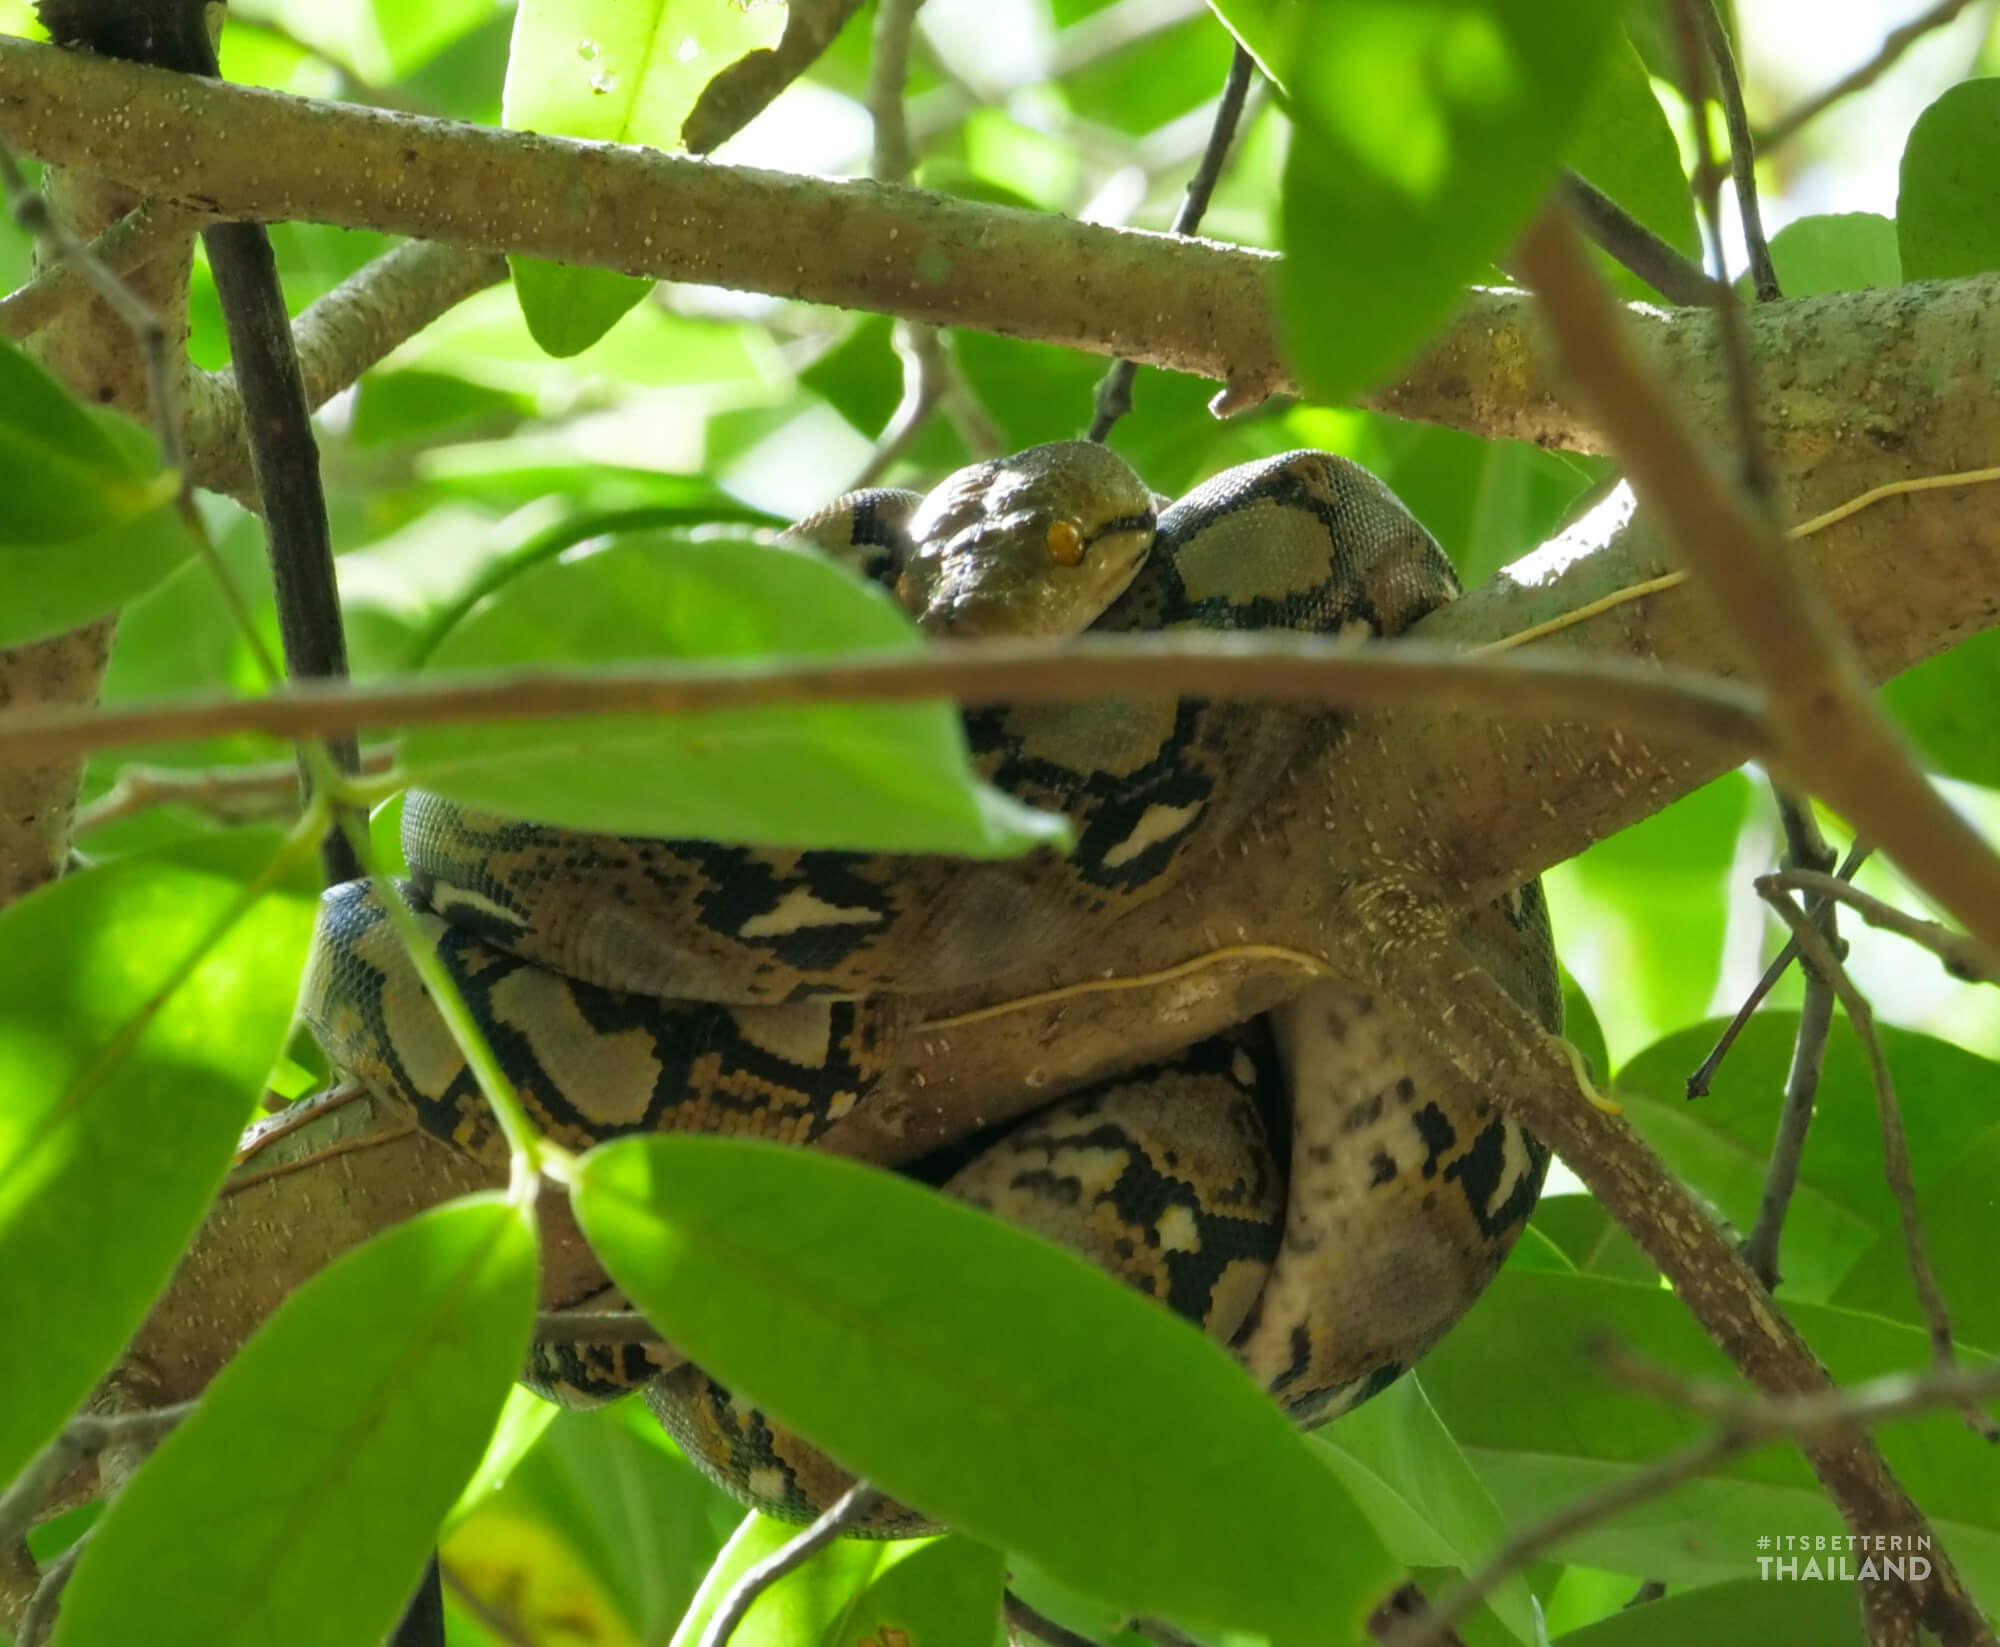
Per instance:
x=1833, y=735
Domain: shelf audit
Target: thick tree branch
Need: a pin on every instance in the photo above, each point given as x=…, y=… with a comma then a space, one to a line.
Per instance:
x=1833, y=734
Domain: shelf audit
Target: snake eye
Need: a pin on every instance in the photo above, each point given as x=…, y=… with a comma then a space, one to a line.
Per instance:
x=1065, y=541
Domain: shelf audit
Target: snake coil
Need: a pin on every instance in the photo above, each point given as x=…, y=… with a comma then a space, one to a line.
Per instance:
x=1313, y=1188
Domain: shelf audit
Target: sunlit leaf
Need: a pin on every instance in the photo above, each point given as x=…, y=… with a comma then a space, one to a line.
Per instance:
x=620, y=71
x=141, y=1003
x=887, y=776
x=63, y=474
x=299, y=1502
x=1425, y=136
x=1114, y=1445
x=53, y=587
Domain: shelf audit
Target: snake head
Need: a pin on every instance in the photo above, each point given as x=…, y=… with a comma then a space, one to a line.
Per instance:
x=1035, y=544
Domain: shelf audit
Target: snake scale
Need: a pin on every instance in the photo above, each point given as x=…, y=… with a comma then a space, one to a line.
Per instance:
x=1312, y=1188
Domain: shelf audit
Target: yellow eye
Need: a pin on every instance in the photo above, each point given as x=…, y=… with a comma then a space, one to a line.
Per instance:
x=1066, y=541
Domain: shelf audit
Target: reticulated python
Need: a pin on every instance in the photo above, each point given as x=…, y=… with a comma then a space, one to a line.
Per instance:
x=631, y=984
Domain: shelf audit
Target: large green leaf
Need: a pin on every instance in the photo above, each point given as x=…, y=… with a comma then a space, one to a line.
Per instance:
x=875, y=776
x=1000, y=1384
x=927, y=1592
x=1842, y=1206
x=1948, y=197
x=1522, y=1388
x=141, y=1004
x=299, y=1501
x=1427, y=133
x=618, y=71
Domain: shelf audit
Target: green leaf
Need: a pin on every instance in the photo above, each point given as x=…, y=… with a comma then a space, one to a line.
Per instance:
x=1113, y=1445
x=1942, y=704
x=1842, y=1207
x=1426, y=135
x=619, y=71
x=1948, y=197
x=891, y=777
x=1409, y=1477
x=933, y=1592
x=63, y=475
x=57, y=586
x=1624, y=145
x=1565, y=1429
x=141, y=1003
x=299, y=1501
x=568, y=309
x=1836, y=252
x=706, y=505
x=1744, y=1612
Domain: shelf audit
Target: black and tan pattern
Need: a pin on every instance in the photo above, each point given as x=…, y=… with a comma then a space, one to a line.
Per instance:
x=1317, y=1191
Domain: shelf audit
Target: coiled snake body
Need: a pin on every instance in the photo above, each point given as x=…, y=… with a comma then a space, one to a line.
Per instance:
x=633, y=984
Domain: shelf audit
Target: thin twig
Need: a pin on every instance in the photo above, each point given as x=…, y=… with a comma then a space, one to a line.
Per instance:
x=1742, y=150
x=1634, y=246
x=1819, y=955
x=1631, y=696
x=930, y=381
x=1961, y=957
x=1696, y=21
x=1781, y=1173
x=1805, y=847
x=1114, y=389
x=1748, y=1421
x=1897, y=41
x=83, y=1437
x=231, y=794
x=1025, y=1620
x=1699, y=1082
x=855, y=1504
